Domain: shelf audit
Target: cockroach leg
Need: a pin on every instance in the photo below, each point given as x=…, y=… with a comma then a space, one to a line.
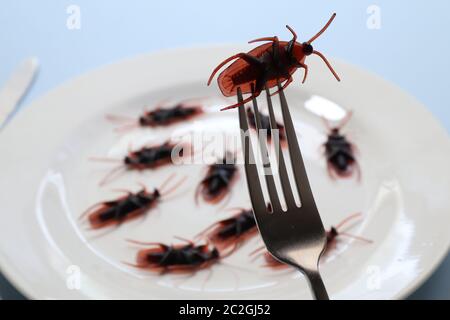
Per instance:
x=355, y=149
x=270, y=39
x=331, y=172
x=207, y=278
x=197, y=194
x=134, y=265
x=127, y=192
x=286, y=83
x=256, y=253
x=345, y=120
x=356, y=237
x=306, y=72
x=185, y=277
x=202, y=233
x=358, y=171
x=99, y=159
x=173, y=188
x=113, y=173
x=326, y=122
x=126, y=128
x=86, y=212
x=185, y=240
x=128, y=122
x=144, y=243
x=294, y=35
x=246, y=100
x=348, y=219
x=335, y=231
x=119, y=118
x=328, y=64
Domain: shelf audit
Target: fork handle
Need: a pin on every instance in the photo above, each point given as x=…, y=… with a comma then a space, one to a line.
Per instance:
x=317, y=286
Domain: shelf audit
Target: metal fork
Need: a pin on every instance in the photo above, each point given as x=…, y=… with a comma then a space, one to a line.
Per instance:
x=295, y=236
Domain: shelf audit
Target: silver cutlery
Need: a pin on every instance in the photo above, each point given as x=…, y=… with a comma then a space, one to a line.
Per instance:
x=16, y=87
x=295, y=236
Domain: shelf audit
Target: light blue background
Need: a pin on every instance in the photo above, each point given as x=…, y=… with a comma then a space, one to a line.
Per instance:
x=411, y=49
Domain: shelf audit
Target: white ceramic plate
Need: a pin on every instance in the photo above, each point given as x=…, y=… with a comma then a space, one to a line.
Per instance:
x=47, y=181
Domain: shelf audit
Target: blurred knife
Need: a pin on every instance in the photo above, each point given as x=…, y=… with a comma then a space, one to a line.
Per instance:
x=15, y=88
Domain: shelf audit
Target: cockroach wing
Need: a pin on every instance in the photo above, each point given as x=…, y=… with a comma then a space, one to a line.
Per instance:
x=241, y=74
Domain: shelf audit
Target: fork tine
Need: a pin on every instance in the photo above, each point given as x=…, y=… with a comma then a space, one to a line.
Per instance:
x=285, y=185
x=273, y=195
x=301, y=178
x=251, y=171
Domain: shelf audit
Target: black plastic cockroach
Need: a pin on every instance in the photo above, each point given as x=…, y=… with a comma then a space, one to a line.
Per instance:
x=233, y=231
x=339, y=152
x=265, y=124
x=332, y=234
x=161, y=115
x=217, y=183
x=148, y=157
x=162, y=258
x=127, y=207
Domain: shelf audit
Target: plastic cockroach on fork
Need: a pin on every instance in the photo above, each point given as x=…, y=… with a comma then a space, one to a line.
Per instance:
x=219, y=178
x=332, y=234
x=148, y=157
x=266, y=65
x=339, y=152
x=231, y=232
x=127, y=207
x=161, y=115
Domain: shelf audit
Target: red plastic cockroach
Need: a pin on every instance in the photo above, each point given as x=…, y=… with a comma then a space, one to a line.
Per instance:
x=161, y=115
x=148, y=157
x=339, y=152
x=332, y=235
x=217, y=183
x=163, y=258
x=233, y=231
x=265, y=124
x=266, y=65
x=127, y=207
